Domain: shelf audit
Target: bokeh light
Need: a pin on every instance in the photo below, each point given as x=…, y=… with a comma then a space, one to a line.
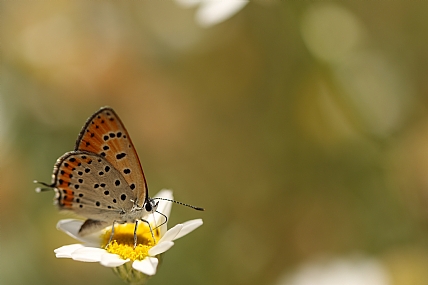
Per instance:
x=300, y=126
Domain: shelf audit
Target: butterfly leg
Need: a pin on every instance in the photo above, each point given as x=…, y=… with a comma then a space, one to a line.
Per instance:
x=151, y=230
x=135, y=233
x=111, y=235
x=164, y=222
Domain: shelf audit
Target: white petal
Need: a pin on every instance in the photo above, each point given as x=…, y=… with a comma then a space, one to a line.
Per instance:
x=160, y=248
x=88, y=254
x=171, y=233
x=215, y=11
x=112, y=260
x=188, y=227
x=71, y=227
x=147, y=266
x=164, y=206
x=66, y=250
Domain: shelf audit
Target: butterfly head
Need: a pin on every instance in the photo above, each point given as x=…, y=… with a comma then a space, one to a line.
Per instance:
x=151, y=205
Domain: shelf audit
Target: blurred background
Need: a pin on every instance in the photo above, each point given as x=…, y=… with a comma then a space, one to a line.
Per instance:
x=301, y=127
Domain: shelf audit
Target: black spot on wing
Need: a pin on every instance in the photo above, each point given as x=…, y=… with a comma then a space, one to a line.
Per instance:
x=120, y=155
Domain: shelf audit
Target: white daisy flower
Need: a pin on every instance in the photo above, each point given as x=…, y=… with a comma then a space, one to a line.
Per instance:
x=353, y=270
x=120, y=253
x=212, y=12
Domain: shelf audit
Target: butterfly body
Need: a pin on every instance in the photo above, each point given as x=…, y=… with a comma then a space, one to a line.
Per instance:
x=102, y=179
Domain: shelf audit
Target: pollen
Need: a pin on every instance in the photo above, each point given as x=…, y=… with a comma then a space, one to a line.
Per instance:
x=122, y=242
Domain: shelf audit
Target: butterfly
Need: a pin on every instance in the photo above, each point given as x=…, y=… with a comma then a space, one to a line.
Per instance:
x=102, y=179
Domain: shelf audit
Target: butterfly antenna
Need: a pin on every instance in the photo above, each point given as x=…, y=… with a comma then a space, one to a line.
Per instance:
x=180, y=203
x=41, y=189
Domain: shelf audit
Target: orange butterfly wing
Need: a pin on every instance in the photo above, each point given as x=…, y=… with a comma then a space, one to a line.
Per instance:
x=105, y=135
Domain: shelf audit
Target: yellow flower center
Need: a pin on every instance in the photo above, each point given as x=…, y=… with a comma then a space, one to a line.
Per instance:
x=122, y=242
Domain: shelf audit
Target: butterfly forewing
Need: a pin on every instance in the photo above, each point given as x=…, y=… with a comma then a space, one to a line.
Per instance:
x=105, y=135
x=90, y=186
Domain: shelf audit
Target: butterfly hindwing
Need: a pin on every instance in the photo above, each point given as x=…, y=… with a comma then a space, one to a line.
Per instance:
x=90, y=186
x=104, y=134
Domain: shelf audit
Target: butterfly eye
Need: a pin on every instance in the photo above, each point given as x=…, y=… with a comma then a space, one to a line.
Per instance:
x=148, y=207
